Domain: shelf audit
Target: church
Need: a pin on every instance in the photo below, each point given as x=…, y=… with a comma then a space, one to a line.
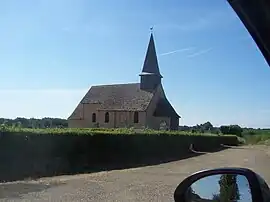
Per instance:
x=138, y=105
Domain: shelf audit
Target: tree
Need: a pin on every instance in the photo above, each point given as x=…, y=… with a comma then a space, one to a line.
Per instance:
x=207, y=126
x=216, y=198
x=229, y=190
x=225, y=130
x=236, y=130
x=35, y=123
x=231, y=129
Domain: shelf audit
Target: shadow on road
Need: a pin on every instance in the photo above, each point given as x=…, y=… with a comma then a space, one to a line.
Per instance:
x=80, y=167
x=16, y=190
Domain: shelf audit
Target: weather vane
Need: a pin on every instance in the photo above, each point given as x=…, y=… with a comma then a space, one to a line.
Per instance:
x=151, y=29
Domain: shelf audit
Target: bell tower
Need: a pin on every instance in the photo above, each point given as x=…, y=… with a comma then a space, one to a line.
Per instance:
x=150, y=76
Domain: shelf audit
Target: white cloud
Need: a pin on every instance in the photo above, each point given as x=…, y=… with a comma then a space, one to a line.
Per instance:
x=39, y=103
x=200, y=53
x=177, y=51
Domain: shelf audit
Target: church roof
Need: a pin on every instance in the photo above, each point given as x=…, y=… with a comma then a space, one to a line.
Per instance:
x=151, y=62
x=119, y=97
x=165, y=109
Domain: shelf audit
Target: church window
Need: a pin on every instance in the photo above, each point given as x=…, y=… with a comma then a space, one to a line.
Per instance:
x=136, y=117
x=94, y=117
x=107, y=117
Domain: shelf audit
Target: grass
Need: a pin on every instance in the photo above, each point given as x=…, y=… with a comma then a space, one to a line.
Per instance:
x=257, y=136
x=257, y=139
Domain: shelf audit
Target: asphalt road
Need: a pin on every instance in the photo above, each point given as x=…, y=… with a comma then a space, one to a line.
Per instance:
x=152, y=183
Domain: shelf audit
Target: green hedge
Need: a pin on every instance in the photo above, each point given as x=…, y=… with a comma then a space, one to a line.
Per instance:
x=44, y=152
x=92, y=131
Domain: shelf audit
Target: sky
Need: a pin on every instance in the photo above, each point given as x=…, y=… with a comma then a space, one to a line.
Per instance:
x=53, y=51
x=209, y=186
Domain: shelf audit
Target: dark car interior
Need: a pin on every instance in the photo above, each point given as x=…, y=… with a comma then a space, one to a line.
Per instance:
x=255, y=15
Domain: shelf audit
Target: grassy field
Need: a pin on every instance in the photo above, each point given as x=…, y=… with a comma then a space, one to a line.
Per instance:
x=257, y=139
x=257, y=136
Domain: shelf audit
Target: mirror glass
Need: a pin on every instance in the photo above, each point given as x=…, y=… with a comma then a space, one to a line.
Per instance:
x=220, y=188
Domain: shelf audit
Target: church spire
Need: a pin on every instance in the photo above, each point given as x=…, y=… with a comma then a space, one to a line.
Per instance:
x=150, y=76
x=150, y=62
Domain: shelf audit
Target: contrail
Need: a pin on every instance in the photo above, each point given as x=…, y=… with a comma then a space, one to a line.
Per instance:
x=176, y=51
x=199, y=53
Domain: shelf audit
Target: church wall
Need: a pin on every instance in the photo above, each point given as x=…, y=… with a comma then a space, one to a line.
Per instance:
x=121, y=119
x=83, y=118
x=101, y=119
x=152, y=121
x=78, y=112
x=76, y=123
x=174, y=123
x=152, y=105
x=156, y=122
x=142, y=121
x=125, y=119
x=117, y=119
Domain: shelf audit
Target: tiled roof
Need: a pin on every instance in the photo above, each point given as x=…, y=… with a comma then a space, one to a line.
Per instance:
x=119, y=97
x=165, y=109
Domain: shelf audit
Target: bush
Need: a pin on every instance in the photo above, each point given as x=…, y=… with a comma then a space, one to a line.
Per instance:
x=43, y=152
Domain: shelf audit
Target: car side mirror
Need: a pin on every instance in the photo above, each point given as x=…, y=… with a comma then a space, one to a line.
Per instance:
x=222, y=185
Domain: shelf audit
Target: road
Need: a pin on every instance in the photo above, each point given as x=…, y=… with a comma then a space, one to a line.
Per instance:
x=152, y=183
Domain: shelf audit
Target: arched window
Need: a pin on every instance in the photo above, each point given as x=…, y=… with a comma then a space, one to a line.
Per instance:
x=107, y=117
x=136, y=117
x=94, y=117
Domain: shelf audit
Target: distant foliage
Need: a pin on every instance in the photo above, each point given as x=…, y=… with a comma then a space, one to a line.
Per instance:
x=60, y=126
x=231, y=129
x=202, y=128
x=245, y=135
x=35, y=123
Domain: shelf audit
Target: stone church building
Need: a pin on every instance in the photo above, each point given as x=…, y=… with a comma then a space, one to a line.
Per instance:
x=138, y=105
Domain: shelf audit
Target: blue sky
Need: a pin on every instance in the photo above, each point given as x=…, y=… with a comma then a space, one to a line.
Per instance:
x=209, y=186
x=52, y=51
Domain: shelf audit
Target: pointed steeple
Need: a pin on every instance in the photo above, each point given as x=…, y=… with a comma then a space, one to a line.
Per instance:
x=151, y=62
x=150, y=76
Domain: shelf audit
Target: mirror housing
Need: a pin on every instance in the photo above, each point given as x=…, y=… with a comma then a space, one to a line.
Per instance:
x=258, y=188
